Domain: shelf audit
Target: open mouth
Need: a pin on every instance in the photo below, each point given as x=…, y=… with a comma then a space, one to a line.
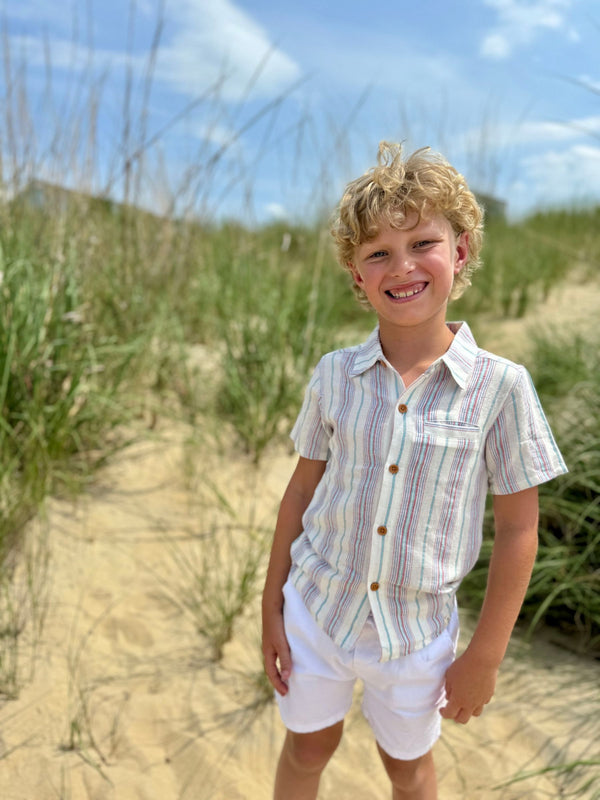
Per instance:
x=405, y=294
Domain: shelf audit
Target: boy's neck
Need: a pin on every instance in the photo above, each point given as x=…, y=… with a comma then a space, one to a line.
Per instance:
x=412, y=350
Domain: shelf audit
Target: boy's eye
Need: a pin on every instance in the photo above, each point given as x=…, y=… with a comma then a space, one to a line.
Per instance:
x=423, y=243
x=378, y=254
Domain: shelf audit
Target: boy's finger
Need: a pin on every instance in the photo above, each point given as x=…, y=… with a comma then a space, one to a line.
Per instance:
x=278, y=666
x=274, y=676
x=453, y=713
x=450, y=710
x=285, y=662
x=462, y=717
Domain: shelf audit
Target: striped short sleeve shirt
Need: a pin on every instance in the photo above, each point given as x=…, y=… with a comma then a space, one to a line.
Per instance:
x=396, y=521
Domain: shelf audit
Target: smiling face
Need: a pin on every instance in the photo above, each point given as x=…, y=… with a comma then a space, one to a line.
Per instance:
x=407, y=273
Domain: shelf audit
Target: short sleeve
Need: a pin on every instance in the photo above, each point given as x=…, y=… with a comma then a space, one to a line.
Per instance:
x=309, y=435
x=520, y=449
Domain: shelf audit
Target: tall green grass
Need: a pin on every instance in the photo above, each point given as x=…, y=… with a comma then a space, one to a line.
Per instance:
x=64, y=400
x=59, y=384
x=522, y=262
x=277, y=310
x=565, y=590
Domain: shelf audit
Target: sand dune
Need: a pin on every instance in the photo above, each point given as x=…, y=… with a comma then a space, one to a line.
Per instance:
x=126, y=704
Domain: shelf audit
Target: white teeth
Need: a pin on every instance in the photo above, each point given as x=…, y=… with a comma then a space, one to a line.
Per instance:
x=409, y=293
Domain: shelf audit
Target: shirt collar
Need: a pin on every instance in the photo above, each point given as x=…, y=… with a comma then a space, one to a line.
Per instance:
x=367, y=354
x=459, y=358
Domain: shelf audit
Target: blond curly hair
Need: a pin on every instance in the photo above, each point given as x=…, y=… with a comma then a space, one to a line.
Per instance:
x=425, y=184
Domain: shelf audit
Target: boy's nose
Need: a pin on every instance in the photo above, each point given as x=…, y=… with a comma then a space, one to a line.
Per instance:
x=402, y=264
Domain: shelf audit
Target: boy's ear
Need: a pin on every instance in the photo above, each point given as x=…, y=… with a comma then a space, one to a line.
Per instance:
x=462, y=252
x=355, y=273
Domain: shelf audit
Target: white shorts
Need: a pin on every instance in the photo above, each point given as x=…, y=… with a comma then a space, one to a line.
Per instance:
x=401, y=698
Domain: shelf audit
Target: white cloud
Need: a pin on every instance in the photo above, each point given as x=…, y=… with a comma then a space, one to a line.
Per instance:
x=528, y=16
x=547, y=132
x=215, y=133
x=496, y=46
x=68, y=55
x=520, y=22
x=276, y=211
x=593, y=84
x=218, y=40
x=205, y=43
x=558, y=177
x=505, y=137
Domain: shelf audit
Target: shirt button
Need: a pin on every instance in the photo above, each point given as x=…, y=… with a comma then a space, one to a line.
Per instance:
x=393, y=468
x=382, y=530
x=374, y=586
x=402, y=408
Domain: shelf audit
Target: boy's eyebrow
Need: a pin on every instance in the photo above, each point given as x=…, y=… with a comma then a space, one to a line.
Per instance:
x=424, y=228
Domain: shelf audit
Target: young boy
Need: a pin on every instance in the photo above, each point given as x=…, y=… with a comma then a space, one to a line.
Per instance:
x=399, y=441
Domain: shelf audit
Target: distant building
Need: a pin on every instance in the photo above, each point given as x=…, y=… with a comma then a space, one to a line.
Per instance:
x=51, y=198
x=494, y=208
x=46, y=196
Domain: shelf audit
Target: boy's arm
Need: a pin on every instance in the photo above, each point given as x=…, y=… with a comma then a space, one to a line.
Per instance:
x=297, y=496
x=471, y=680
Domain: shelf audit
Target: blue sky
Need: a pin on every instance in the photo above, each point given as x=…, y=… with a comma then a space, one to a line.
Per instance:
x=266, y=109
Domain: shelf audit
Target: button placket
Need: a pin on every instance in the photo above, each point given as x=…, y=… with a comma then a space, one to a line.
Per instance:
x=380, y=552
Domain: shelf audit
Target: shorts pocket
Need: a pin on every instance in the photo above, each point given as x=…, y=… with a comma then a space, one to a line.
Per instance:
x=443, y=647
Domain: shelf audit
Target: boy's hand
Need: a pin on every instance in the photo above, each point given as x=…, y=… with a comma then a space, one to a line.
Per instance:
x=470, y=684
x=276, y=651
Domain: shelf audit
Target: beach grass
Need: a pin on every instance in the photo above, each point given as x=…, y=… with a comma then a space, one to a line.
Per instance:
x=218, y=579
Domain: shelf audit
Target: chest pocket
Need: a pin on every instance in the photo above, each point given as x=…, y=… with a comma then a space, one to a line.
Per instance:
x=451, y=433
x=452, y=449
